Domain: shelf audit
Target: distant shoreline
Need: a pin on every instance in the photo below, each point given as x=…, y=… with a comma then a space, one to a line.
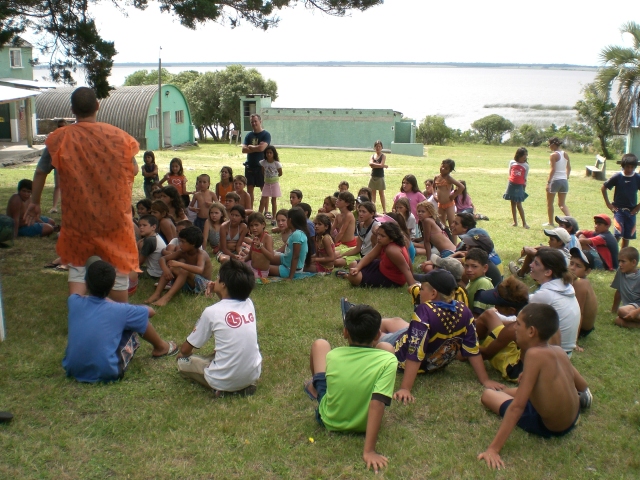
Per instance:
x=533, y=66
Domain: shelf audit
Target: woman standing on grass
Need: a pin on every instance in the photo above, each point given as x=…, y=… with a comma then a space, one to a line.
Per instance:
x=376, y=183
x=558, y=179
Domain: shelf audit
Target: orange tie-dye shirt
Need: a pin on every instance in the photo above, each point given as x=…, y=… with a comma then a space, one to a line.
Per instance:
x=95, y=169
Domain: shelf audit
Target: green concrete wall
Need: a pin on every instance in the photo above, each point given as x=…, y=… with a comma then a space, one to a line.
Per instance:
x=24, y=73
x=180, y=132
x=411, y=149
x=330, y=127
x=633, y=141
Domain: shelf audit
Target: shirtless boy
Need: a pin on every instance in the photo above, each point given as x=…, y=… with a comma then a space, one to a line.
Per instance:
x=16, y=209
x=189, y=268
x=446, y=197
x=344, y=226
x=202, y=200
x=239, y=185
x=551, y=391
x=580, y=265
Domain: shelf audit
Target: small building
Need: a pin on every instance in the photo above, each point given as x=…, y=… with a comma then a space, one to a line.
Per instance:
x=17, y=91
x=132, y=109
x=633, y=137
x=344, y=128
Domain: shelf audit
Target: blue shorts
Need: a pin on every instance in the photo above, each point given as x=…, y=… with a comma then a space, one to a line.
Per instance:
x=320, y=384
x=393, y=337
x=199, y=285
x=559, y=186
x=624, y=224
x=34, y=230
x=199, y=222
x=445, y=253
x=531, y=422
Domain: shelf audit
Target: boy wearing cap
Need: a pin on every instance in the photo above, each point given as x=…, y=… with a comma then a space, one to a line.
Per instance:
x=440, y=328
x=102, y=338
x=483, y=242
x=627, y=285
x=602, y=242
x=570, y=224
x=625, y=198
x=496, y=326
x=580, y=266
x=451, y=265
x=559, y=238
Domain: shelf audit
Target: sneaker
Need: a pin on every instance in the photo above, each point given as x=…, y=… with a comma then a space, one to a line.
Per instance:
x=345, y=306
x=168, y=285
x=513, y=268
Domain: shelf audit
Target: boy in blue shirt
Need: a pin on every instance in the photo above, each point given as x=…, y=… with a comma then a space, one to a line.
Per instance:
x=353, y=384
x=625, y=199
x=102, y=338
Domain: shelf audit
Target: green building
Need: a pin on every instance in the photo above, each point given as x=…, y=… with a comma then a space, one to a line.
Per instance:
x=343, y=128
x=134, y=110
x=17, y=90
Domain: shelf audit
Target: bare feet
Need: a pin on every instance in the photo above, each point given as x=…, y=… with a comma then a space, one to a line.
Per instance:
x=579, y=349
x=526, y=226
x=152, y=298
x=161, y=302
x=626, y=324
x=514, y=224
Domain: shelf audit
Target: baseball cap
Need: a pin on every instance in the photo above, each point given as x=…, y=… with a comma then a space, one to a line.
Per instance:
x=451, y=265
x=362, y=199
x=586, y=257
x=570, y=220
x=604, y=217
x=559, y=232
x=441, y=281
x=483, y=242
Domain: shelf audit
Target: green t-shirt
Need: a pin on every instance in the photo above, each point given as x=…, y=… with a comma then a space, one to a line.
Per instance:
x=480, y=283
x=355, y=375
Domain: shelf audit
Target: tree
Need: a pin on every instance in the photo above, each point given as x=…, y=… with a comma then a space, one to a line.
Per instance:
x=68, y=33
x=492, y=128
x=622, y=67
x=595, y=110
x=147, y=77
x=434, y=131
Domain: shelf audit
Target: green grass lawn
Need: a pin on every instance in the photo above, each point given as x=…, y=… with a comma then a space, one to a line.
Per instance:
x=154, y=424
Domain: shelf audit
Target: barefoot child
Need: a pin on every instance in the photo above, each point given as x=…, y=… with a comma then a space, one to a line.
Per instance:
x=150, y=246
x=432, y=232
x=232, y=322
x=329, y=207
x=353, y=385
x=282, y=227
x=627, y=285
x=232, y=234
x=166, y=228
x=239, y=185
x=294, y=258
x=551, y=392
x=225, y=185
x=211, y=232
x=257, y=261
x=518, y=171
x=580, y=265
x=149, y=172
x=174, y=245
x=189, y=268
x=16, y=209
x=376, y=183
x=176, y=178
x=202, y=201
x=366, y=236
x=231, y=199
x=325, y=254
x=344, y=226
x=446, y=198
x=272, y=171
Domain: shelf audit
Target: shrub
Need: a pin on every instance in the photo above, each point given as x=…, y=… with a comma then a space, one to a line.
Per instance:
x=433, y=131
x=492, y=128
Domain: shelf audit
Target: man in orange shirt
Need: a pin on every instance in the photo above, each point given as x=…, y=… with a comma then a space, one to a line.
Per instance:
x=96, y=166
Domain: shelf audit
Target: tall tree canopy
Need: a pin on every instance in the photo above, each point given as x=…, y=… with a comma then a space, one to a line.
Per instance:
x=621, y=66
x=595, y=111
x=69, y=36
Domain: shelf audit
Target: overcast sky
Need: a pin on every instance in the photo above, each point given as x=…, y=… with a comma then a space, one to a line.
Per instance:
x=495, y=31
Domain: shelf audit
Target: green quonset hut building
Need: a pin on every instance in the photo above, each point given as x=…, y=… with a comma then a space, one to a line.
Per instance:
x=346, y=128
x=134, y=110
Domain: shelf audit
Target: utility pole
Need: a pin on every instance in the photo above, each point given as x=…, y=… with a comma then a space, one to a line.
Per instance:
x=160, y=131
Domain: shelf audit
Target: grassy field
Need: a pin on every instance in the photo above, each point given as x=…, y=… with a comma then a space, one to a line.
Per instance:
x=154, y=424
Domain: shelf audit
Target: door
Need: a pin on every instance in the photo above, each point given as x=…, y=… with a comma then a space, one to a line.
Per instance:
x=5, y=124
x=166, y=128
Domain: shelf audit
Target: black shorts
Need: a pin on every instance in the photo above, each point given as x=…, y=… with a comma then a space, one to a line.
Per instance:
x=255, y=177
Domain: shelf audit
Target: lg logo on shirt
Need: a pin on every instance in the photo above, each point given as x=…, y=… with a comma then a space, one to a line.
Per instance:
x=234, y=320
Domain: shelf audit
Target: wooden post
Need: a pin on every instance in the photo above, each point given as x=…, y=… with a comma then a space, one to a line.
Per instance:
x=28, y=121
x=160, y=132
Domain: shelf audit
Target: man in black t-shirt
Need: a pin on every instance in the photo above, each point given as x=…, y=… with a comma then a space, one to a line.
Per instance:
x=254, y=144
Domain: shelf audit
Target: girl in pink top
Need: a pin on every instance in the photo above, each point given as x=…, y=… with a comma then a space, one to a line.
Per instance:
x=409, y=190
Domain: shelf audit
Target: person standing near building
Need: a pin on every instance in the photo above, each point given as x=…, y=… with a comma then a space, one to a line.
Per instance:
x=254, y=144
x=96, y=166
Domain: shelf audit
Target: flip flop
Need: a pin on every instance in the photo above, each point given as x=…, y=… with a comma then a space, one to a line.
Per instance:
x=62, y=268
x=341, y=273
x=307, y=391
x=51, y=265
x=173, y=350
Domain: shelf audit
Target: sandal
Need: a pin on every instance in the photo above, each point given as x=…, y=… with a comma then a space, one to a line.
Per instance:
x=62, y=268
x=341, y=273
x=51, y=265
x=268, y=216
x=307, y=384
x=173, y=350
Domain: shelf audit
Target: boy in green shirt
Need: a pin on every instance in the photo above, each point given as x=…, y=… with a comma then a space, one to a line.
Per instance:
x=353, y=384
x=476, y=264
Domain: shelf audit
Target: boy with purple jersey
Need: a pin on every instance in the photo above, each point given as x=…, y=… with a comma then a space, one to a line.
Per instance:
x=440, y=328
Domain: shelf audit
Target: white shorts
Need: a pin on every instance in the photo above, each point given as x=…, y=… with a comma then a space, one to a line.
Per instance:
x=77, y=274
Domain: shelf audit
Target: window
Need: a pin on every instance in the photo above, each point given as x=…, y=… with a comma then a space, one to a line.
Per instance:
x=16, y=57
x=153, y=121
x=179, y=116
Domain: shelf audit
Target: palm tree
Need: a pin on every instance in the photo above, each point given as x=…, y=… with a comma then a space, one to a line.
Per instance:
x=621, y=65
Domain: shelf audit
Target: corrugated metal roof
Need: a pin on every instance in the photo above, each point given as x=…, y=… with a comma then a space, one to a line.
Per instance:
x=125, y=107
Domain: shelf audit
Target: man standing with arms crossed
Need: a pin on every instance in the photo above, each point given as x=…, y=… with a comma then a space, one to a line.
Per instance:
x=96, y=166
x=254, y=144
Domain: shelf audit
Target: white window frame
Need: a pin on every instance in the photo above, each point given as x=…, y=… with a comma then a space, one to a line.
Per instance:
x=153, y=122
x=179, y=116
x=12, y=57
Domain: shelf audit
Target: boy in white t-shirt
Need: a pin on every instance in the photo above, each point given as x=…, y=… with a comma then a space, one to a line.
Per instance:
x=235, y=365
x=150, y=246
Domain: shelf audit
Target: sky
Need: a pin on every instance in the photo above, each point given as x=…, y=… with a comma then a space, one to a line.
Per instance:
x=495, y=31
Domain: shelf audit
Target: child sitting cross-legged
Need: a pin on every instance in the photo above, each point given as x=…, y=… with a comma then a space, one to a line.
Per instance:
x=354, y=384
x=627, y=285
x=236, y=363
x=150, y=245
x=189, y=268
x=580, y=266
x=551, y=392
x=102, y=338
x=440, y=328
